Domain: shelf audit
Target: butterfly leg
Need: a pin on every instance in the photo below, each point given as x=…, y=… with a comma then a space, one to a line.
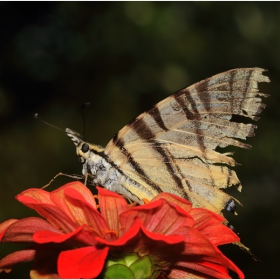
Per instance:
x=78, y=177
x=86, y=176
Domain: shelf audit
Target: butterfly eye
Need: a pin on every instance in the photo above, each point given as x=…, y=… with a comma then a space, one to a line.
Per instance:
x=81, y=159
x=85, y=147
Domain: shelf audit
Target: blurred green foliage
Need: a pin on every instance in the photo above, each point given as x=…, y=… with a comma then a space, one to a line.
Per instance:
x=123, y=57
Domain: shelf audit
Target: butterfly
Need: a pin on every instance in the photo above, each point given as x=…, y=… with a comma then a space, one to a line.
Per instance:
x=171, y=147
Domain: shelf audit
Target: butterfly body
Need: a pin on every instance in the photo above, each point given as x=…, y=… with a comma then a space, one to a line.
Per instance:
x=106, y=173
x=171, y=147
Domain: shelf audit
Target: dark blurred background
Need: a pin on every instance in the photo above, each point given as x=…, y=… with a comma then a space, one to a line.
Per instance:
x=123, y=58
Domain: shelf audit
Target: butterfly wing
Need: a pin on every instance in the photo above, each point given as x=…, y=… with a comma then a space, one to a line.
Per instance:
x=171, y=147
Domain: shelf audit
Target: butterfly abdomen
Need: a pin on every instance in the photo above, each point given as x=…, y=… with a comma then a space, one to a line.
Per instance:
x=107, y=174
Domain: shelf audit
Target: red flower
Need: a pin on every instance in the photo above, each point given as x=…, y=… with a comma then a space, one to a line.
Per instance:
x=78, y=240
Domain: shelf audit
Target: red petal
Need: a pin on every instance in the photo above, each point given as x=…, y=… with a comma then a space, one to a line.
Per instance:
x=38, y=195
x=216, y=270
x=183, y=203
x=87, y=237
x=80, y=188
x=219, y=234
x=84, y=262
x=44, y=236
x=38, y=200
x=209, y=224
x=198, y=252
x=131, y=233
x=17, y=257
x=203, y=217
x=190, y=273
x=4, y=226
x=78, y=208
x=82, y=235
x=23, y=230
x=159, y=216
x=133, y=236
x=85, y=213
x=77, y=191
x=111, y=206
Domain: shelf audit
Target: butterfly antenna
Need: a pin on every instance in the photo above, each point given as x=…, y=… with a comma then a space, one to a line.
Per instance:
x=36, y=116
x=84, y=121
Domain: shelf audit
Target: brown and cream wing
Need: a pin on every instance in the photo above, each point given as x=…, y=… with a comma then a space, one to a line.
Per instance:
x=171, y=147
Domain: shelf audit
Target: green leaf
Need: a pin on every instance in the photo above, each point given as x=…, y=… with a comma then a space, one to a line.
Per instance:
x=131, y=258
x=118, y=271
x=111, y=262
x=142, y=268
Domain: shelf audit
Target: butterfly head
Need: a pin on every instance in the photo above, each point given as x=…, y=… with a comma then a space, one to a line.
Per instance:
x=84, y=150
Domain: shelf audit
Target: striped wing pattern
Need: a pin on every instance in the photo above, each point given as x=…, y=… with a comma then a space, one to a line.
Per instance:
x=171, y=147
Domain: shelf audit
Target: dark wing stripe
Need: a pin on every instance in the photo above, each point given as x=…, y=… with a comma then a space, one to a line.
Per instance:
x=172, y=169
x=155, y=114
x=205, y=98
x=196, y=116
x=190, y=100
x=141, y=128
x=191, y=116
x=143, y=131
x=181, y=102
x=231, y=81
x=119, y=143
x=246, y=87
x=177, y=169
x=200, y=138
